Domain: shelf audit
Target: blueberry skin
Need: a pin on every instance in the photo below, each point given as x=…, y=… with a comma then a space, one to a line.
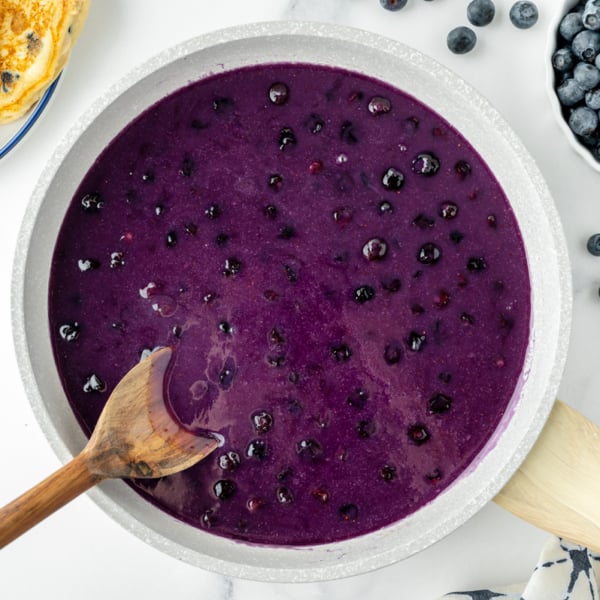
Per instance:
x=570, y=25
x=586, y=45
x=583, y=121
x=393, y=4
x=523, y=14
x=593, y=244
x=592, y=99
x=481, y=12
x=461, y=40
x=586, y=75
x=591, y=15
x=569, y=92
x=563, y=60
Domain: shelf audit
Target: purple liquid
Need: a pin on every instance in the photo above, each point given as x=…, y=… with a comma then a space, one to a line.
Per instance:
x=355, y=345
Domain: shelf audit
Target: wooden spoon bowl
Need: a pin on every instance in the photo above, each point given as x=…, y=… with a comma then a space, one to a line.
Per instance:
x=135, y=437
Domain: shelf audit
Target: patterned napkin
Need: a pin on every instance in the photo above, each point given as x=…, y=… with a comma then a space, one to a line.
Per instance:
x=564, y=572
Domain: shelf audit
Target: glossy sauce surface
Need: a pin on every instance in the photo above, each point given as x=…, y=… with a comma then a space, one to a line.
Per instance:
x=342, y=279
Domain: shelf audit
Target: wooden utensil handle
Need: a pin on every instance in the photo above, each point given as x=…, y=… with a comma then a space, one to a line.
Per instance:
x=55, y=491
x=557, y=487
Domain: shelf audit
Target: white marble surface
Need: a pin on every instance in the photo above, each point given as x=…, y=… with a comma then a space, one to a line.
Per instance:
x=80, y=552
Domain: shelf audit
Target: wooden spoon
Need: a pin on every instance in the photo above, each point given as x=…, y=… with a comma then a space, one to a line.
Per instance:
x=135, y=437
x=557, y=488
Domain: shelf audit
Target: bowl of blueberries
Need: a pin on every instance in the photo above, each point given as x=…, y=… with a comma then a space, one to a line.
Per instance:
x=574, y=75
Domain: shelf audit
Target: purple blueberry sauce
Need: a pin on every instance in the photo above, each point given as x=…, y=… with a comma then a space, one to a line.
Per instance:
x=341, y=277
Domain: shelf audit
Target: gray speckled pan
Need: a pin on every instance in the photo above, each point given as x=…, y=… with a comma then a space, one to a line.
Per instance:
x=443, y=92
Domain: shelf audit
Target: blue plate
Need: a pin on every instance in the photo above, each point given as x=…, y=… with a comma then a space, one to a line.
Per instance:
x=12, y=133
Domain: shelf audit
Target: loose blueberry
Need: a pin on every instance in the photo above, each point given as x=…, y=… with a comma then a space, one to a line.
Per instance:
x=378, y=105
x=171, y=239
x=586, y=75
x=117, y=260
x=92, y=202
x=275, y=181
x=69, y=332
x=416, y=341
x=270, y=211
x=385, y=207
x=563, y=60
x=461, y=40
x=256, y=449
x=341, y=353
x=225, y=327
x=348, y=512
x=426, y=164
x=393, y=4
x=348, y=133
x=448, y=210
x=187, y=167
x=365, y=429
x=94, y=384
x=343, y=215
x=315, y=123
x=523, y=14
x=309, y=449
x=279, y=93
x=229, y=461
x=586, y=45
x=213, y=211
x=441, y=299
x=569, y=92
x=440, y=403
x=232, y=267
x=418, y=434
x=387, y=473
x=429, y=254
x=374, y=249
x=222, y=104
x=481, y=12
x=392, y=353
x=284, y=495
x=255, y=503
x=392, y=179
x=591, y=15
x=190, y=228
x=357, y=398
x=570, y=25
x=434, y=476
x=363, y=294
x=592, y=99
x=583, y=121
x=226, y=376
x=291, y=273
x=287, y=138
x=224, y=489
x=476, y=264
x=88, y=264
x=287, y=232
x=262, y=421
x=462, y=168
x=320, y=494
x=593, y=244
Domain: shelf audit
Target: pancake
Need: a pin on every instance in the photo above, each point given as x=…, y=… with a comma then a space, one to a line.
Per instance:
x=36, y=37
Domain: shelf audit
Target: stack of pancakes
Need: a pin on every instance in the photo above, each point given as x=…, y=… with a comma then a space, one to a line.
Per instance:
x=36, y=37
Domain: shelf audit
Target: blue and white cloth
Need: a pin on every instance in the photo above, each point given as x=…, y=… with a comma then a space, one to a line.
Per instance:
x=564, y=571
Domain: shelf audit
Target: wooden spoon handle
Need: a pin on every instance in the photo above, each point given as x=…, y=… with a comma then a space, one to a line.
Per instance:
x=557, y=488
x=55, y=491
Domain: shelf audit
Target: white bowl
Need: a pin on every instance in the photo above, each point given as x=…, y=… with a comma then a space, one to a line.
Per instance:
x=445, y=93
x=551, y=46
